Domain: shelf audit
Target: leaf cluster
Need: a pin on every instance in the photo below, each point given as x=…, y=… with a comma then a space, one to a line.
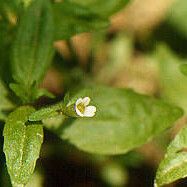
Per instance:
x=124, y=119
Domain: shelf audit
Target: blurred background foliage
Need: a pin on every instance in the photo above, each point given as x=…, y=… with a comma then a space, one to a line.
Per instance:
x=142, y=49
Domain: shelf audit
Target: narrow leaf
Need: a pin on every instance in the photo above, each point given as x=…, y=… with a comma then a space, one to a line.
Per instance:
x=22, y=145
x=7, y=33
x=32, y=50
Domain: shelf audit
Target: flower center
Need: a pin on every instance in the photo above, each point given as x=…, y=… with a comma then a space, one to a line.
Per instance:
x=81, y=107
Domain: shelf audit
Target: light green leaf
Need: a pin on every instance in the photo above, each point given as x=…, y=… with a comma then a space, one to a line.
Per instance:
x=173, y=82
x=174, y=165
x=124, y=120
x=103, y=8
x=114, y=174
x=177, y=16
x=183, y=68
x=32, y=50
x=26, y=2
x=71, y=19
x=5, y=104
x=22, y=143
x=47, y=112
x=120, y=48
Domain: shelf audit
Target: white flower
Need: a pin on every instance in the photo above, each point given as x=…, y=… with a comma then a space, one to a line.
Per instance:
x=82, y=109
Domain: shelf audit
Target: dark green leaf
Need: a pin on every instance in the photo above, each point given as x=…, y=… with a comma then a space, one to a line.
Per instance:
x=5, y=104
x=103, y=8
x=42, y=92
x=174, y=165
x=22, y=145
x=7, y=34
x=32, y=50
x=71, y=19
x=124, y=120
x=29, y=95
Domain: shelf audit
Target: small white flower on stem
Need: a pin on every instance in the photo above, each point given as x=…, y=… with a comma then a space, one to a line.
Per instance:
x=82, y=109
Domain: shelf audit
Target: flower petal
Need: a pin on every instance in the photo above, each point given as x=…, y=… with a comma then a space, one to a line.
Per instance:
x=90, y=111
x=80, y=100
x=79, y=113
x=86, y=101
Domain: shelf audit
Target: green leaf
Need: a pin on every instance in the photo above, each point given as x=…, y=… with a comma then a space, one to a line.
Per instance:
x=104, y=8
x=5, y=104
x=124, y=120
x=43, y=92
x=33, y=50
x=177, y=16
x=47, y=112
x=183, y=69
x=29, y=95
x=22, y=145
x=26, y=2
x=10, y=8
x=71, y=19
x=120, y=48
x=174, y=165
x=7, y=33
x=173, y=82
x=114, y=174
